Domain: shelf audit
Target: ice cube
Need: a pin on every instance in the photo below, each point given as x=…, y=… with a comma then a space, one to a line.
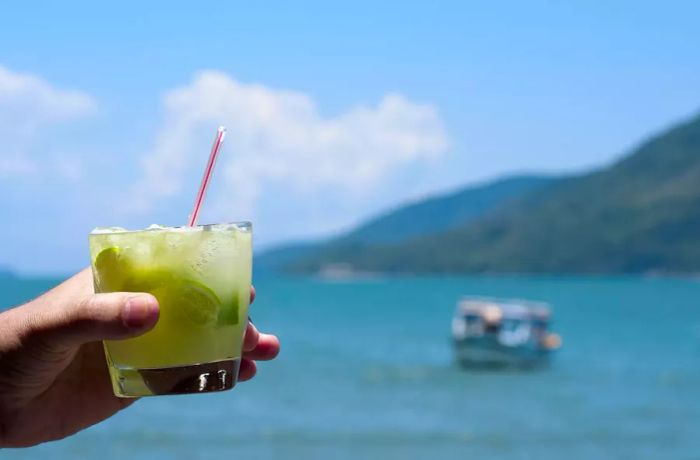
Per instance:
x=103, y=230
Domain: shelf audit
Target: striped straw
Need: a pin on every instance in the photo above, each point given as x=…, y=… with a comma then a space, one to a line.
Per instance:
x=218, y=140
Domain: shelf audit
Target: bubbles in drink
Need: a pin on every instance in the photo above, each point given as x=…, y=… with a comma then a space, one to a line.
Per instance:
x=207, y=251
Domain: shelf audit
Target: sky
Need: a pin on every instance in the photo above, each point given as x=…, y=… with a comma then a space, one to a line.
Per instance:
x=334, y=112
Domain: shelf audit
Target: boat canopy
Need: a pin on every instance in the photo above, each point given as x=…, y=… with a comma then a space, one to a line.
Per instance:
x=497, y=309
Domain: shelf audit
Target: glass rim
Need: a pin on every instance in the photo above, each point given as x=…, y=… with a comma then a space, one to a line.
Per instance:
x=245, y=225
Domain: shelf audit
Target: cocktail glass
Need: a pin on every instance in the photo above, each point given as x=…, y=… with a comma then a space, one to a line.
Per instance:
x=201, y=277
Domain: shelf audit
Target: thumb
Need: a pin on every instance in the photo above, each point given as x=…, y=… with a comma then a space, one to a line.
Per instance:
x=117, y=315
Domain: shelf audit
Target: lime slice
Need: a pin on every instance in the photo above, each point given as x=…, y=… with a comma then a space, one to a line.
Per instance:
x=199, y=303
x=195, y=302
x=187, y=300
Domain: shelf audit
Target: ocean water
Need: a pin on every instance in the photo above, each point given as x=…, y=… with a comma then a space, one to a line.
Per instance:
x=366, y=372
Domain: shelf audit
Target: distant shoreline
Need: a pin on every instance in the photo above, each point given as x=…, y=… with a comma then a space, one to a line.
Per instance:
x=370, y=275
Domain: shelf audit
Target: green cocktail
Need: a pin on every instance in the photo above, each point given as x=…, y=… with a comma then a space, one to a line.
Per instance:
x=201, y=277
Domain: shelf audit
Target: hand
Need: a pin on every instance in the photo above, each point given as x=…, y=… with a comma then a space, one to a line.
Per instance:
x=53, y=374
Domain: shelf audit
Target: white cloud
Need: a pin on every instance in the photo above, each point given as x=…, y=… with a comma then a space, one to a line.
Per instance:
x=277, y=139
x=34, y=100
x=28, y=105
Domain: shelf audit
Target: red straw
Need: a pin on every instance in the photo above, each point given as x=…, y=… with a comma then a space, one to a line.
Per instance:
x=218, y=140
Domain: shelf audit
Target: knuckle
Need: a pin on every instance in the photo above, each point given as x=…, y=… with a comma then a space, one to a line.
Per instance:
x=95, y=308
x=88, y=308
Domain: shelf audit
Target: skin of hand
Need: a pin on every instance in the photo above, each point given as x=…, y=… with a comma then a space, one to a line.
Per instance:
x=53, y=374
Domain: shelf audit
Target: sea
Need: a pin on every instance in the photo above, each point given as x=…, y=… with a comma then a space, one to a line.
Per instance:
x=367, y=372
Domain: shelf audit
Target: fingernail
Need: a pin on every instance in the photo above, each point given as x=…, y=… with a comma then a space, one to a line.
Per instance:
x=138, y=311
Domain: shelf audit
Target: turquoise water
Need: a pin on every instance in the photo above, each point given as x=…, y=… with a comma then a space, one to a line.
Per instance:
x=366, y=372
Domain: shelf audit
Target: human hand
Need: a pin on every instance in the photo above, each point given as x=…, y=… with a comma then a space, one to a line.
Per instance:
x=53, y=374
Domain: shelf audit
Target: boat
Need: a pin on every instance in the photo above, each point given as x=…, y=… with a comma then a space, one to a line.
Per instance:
x=502, y=333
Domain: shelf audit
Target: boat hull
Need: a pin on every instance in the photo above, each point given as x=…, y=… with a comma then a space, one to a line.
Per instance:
x=485, y=353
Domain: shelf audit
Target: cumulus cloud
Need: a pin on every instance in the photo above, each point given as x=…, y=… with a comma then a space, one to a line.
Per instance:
x=278, y=140
x=29, y=104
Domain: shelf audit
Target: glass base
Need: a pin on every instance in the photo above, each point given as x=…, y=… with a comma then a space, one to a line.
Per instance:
x=198, y=378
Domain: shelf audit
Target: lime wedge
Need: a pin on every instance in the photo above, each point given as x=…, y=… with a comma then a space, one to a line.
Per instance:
x=108, y=258
x=229, y=312
x=111, y=268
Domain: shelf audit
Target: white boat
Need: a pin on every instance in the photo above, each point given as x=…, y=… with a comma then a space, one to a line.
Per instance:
x=492, y=333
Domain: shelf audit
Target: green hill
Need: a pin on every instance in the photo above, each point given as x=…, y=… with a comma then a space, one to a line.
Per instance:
x=442, y=212
x=429, y=216
x=641, y=214
x=280, y=258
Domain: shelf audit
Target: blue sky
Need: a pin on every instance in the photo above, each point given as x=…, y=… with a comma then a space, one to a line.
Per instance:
x=334, y=112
